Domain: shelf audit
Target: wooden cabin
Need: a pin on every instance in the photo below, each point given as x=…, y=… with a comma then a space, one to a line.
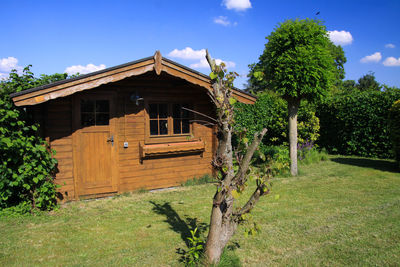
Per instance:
x=136, y=125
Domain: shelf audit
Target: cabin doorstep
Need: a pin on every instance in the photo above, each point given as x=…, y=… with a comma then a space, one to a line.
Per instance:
x=133, y=126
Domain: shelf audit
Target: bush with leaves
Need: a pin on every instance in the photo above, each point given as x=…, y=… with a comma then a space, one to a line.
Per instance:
x=271, y=111
x=394, y=128
x=356, y=123
x=27, y=167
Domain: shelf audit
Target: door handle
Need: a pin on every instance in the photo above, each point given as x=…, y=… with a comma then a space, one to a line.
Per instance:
x=111, y=139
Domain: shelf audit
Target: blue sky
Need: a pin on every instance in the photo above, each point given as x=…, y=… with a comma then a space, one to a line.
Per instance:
x=58, y=36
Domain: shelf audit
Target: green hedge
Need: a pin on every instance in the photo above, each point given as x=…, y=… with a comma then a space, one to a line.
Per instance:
x=356, y=123
x=270, y=111
x=394, y=128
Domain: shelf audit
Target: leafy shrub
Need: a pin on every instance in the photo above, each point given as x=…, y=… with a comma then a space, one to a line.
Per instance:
x=394, y=128
x=314, y=155
x=27, y=167
x=270, y=111
x=279, y=160
x=356, y=123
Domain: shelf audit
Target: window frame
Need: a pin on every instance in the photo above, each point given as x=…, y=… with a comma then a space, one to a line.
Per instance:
x=170, y=137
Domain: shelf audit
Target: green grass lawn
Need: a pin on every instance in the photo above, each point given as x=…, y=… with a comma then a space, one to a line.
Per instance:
x=338, y=213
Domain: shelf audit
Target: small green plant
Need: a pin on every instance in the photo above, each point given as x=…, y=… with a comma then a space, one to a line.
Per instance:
x=196, y=247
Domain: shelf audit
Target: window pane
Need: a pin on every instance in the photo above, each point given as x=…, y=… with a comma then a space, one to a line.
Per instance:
x=102, y=106
x=87, y=119
x=176, y=110
x=153, y=111
x=163, y=127
x=87, y=105
x=185, y=113
x=185, y=126
x=154, y=127
x=177, y=126
x=102, y=118
x=163, y=110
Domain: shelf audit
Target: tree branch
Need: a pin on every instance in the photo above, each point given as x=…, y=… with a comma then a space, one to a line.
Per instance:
x=199, y=113
x=244, y=166
x=206, y=123
x=210, y=61
x=261, y=190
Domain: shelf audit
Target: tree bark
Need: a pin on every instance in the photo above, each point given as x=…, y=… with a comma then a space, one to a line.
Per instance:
x=293, y=107
x=222, y=228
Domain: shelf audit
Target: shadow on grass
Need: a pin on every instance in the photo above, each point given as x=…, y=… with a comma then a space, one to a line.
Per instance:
x=183, y=226
x=378, y=164
x=177, y=224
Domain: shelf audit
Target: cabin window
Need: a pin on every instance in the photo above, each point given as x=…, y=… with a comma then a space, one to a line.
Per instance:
x=180, y=118
x=95, y=112
x=167, y=119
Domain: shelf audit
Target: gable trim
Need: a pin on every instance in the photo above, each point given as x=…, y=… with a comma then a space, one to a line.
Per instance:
x=92, y=80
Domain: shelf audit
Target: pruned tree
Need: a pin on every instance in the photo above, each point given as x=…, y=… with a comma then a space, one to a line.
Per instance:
x=233, y=166
x=297, y=63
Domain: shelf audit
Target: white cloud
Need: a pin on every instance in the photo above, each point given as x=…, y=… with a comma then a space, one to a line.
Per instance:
x=188, y=53
x=3, y=76
x=8, y=64
x=375, y=57
x=199, y=55
x=222, y=20
x=84, y=69
x=340, y=37
x=204, y=64
x=390, y=46
x=392, y=62
x=237, y=5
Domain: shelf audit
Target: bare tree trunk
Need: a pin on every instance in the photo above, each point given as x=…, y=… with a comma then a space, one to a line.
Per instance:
x=221, y=231
x=293, y=107
x=224, y=220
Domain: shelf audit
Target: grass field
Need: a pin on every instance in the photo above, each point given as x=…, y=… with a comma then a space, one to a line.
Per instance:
x=341, y=212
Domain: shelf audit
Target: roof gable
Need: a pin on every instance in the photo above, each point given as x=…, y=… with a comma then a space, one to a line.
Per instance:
x=92, y=80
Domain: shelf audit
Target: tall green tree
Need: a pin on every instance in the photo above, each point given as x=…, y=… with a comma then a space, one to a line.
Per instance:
x=339, y=61
x=297, y=63
x=368, y=83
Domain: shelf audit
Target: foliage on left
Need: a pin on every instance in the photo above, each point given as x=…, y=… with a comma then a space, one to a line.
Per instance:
x=27, y=167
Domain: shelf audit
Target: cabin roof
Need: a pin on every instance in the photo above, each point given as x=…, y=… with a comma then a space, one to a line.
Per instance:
x=91, y=80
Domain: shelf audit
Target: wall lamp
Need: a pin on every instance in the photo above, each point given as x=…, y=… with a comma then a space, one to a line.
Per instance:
x=135, y=97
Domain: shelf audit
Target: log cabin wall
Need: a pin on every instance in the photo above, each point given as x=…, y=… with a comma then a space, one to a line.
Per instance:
x=57, y=129
x=164, y=171
x=133, y=171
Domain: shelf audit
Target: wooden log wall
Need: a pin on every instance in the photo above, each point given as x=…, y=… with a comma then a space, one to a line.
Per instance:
x=162, y=171
x=134, y=174
x=58, y=131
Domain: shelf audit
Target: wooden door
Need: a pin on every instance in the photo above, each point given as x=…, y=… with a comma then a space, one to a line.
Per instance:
x=95, y=145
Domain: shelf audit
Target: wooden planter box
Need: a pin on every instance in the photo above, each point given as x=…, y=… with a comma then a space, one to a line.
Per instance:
x=156, y=150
